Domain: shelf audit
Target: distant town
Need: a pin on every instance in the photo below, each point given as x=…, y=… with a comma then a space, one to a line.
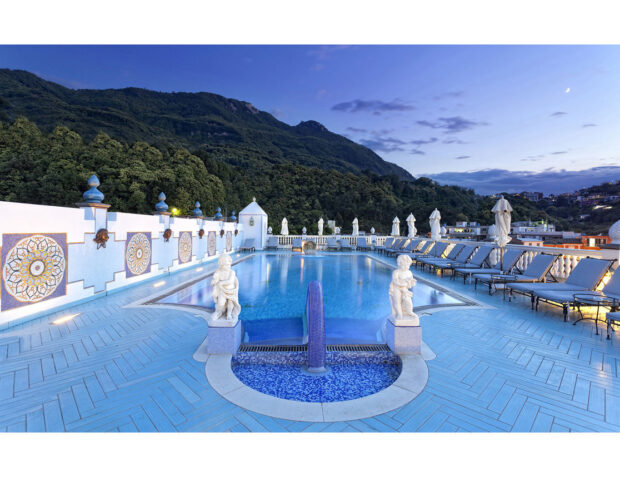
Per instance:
x=542, y=233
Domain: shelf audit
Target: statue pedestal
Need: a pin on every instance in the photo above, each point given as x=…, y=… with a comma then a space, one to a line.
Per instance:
x=224, y=337
x=404, y=336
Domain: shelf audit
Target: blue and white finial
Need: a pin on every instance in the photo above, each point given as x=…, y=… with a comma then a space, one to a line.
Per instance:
x=93, y=195
x=197, y=212
x=161, y=205
x=233, y=217
x=218, y=214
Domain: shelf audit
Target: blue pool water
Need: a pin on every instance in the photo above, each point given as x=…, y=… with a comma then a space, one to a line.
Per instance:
x=273, y=287
x=350, y=375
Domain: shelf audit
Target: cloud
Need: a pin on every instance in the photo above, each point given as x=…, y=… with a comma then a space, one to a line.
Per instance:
x=557, y=153
x=462, y=157
x=357, y=130
x=421, y=142
x=449, y=94
x=453, y=140
x=558, y=114
x=454, y=124
x=384, y=144
x=492, y=181
x=417, y=152
x=589, y=125
x=372, y=106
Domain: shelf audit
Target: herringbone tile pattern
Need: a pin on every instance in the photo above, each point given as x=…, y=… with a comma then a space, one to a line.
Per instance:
x=126, y=369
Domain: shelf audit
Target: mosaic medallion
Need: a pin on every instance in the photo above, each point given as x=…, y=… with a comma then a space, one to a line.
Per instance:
x=211, y=243
x=138, y=253
x=185, y=247
x=33, y=268
x=228, y=241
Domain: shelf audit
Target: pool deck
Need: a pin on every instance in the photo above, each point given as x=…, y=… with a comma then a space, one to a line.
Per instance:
x=503, y=367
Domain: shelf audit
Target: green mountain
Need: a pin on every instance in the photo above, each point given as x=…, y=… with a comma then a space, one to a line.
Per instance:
x=235, y=131
x=138, y=142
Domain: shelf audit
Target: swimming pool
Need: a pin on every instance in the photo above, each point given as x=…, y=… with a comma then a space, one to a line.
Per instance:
x=272, y=293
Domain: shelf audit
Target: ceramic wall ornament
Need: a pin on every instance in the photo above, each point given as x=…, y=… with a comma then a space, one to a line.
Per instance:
x=185, y=247
x=201, y=234
x=101, y=237
x=222, y=232
x=167, y=235
x=138, y=253
x=33, y=268
x=229, y=241
x=211, y=243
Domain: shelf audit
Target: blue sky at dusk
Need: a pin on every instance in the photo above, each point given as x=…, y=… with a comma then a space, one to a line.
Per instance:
x=495, y=118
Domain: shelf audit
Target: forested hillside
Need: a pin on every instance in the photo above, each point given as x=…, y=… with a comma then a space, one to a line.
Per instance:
x=52, y=168
x=233, y=131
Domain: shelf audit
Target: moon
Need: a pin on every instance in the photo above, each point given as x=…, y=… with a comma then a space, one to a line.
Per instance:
x=567, y=90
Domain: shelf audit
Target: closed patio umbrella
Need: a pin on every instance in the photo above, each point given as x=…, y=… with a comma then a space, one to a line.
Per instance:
x=434, y=220
x=284, y=228
x=395, y=227
x=356, y=227
x=502, y=210
x=411, y=226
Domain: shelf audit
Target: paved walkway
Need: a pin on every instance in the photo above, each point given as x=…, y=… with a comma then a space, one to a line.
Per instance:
x=127, y=369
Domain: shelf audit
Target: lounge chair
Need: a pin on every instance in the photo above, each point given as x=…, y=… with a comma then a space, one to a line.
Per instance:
x=396, y=245
x=332, y=244
x=536, y=272
x=388, y=243
x=414, y=245
x=451, y=256
x=345, y=245
x=297, y=246
x=398, y=249
x=361, y=243
x=272, y=243
x=443, y=264
x=248, y=245
x=509, y=261
x=436, y=250
x=585, y=277
x=608, y=297
x=477, y=260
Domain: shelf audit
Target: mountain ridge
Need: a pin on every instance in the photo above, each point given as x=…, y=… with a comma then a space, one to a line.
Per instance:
x=196, y=121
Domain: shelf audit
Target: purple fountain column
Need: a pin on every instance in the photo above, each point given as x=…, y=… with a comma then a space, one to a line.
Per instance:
x=316, y=328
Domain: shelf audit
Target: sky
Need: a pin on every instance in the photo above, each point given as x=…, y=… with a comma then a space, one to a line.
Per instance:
x=493, y=118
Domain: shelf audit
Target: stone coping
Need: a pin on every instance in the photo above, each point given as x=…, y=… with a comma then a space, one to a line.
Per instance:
x=407, y=386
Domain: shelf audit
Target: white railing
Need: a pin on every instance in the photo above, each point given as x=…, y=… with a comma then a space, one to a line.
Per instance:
x=565, y=263
x=563, y=266
x=321, y=240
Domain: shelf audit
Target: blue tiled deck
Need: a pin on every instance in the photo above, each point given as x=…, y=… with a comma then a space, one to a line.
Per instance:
x=127, y=369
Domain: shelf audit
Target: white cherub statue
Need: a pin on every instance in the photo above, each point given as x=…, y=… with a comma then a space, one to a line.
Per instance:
x=401, y=296
x=225, y=291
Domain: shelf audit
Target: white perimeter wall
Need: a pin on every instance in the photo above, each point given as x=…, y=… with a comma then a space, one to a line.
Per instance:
x=90, y=271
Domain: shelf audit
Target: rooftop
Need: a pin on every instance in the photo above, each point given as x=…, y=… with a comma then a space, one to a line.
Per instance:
x=502, y=367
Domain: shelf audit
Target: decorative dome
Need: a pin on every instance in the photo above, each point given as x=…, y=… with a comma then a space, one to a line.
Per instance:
x=197, y=212
x=218, y=214
x=161, y=206
x=93, y=195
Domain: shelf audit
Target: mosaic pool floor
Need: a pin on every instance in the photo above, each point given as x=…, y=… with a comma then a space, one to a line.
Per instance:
x=504, y=368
